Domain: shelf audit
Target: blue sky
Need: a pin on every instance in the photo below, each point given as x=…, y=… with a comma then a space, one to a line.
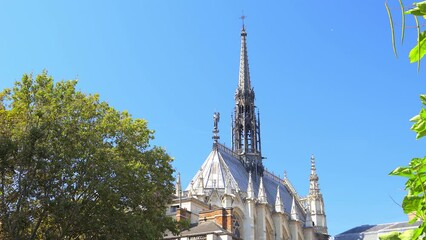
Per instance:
x=326, y=81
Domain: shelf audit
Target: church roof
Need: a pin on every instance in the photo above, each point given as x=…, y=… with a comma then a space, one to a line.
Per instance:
x=222, y=162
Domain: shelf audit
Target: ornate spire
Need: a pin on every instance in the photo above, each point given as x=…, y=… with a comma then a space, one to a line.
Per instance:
x=313, y=186
x=178, y=185
x=250, y=191
x=293, y=213
x=279, y=206
x=316, y=201
x=262, y=195
x=244, y=76
x=245, y=127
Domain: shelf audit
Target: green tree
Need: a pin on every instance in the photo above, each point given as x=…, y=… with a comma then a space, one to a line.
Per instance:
x=72, y=167
x=415, y=200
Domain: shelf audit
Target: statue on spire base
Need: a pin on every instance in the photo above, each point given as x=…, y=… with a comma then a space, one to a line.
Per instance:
x=216, y=119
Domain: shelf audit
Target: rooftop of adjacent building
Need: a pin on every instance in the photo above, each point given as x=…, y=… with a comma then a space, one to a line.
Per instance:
x=367, y=232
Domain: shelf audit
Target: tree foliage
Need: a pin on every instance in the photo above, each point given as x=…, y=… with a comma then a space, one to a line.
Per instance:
x=418, y=10
x=415, y=200
x=72, y=167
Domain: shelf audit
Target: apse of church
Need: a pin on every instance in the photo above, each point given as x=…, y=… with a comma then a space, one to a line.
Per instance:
x=233, y=196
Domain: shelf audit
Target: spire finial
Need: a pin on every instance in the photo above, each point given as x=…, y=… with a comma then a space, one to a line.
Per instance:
x=262, y=195
x=178, y=185
x=314, y=186
x=279, y=206
x=313, y=162
x=242, y=18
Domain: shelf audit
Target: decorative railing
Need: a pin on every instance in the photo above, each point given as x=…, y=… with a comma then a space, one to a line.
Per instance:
x=228, y=151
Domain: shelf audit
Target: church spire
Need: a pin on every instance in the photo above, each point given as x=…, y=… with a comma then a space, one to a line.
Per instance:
x=316, y=201
x=244, y=76
x=314, y=186
x=178, y=187
x=245, y=126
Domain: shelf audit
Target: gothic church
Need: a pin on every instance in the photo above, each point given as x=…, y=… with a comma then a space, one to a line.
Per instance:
x=233, y=196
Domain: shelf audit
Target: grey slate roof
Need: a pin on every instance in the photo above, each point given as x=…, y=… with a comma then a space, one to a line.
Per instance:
x=221, y=162
x=200, y=229
x=367, y=232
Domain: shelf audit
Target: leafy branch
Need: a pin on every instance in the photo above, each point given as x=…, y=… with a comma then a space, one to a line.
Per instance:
x=415, y=200
x=418, y=51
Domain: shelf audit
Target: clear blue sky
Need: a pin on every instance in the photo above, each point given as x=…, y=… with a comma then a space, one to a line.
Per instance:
x=326, y=81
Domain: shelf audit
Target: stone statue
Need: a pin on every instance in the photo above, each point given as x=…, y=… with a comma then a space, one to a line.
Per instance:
x=216, y=118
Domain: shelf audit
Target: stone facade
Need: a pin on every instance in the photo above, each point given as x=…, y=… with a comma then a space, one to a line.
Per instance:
x=233, y=196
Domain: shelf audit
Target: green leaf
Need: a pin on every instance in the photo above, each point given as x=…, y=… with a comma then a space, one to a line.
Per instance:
x=421, y=6
x=423, y=98
x=390, y=236
x=412, y=204
x=414, y=11
x=402, y=172
x=415, y=118
x=420, y=49
x=419, y=231
x=423, y=113
x=413, y=220
x=407, y=234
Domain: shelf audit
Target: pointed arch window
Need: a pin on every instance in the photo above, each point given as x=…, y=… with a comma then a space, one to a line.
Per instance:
x=237, y=225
